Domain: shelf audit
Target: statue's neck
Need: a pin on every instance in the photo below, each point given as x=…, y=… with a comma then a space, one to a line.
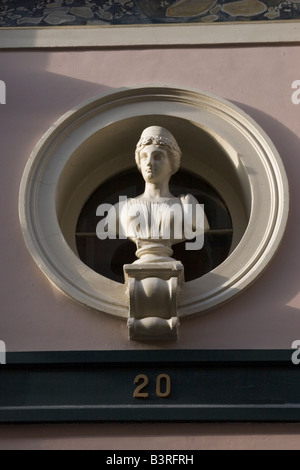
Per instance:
x=157, y=191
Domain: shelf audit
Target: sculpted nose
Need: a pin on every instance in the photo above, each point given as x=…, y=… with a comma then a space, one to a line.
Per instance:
x=149, y=159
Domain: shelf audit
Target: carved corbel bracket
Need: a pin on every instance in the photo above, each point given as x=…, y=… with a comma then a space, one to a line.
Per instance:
x=153, y=291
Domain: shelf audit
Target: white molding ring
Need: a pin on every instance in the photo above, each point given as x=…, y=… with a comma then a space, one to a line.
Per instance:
x=219, y=142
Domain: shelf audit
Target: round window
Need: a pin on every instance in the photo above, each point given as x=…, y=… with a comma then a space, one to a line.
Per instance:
x=107, y=257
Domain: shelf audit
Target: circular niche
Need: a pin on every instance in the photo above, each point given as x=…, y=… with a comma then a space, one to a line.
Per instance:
x=225, y=154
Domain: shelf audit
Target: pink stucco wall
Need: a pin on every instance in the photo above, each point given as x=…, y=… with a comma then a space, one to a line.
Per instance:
x=41, y=86
x=113, y=437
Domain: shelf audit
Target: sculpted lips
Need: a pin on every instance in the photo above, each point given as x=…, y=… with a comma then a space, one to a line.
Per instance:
x=149, y=171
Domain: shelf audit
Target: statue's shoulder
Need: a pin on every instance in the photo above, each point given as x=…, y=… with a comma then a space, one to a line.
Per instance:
x=188, y=199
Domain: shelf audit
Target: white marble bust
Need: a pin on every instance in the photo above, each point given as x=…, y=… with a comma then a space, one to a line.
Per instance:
x=154, y=221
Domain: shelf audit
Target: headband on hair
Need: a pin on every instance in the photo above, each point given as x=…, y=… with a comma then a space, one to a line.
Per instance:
x=158, y=140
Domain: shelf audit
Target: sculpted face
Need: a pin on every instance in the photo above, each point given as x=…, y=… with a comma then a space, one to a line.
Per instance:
x=155, y=164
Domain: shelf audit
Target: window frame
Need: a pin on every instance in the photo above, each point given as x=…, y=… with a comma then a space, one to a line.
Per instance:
x=59, y=158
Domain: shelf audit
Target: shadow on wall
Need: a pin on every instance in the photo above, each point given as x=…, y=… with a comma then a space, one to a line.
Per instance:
x=35, y=97
x=286, y=262
x=269, y=309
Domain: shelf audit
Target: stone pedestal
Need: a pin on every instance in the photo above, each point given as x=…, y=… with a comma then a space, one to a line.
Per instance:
x=153, y=292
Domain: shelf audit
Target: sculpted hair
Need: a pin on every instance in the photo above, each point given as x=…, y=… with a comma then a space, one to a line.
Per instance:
x=174, y=151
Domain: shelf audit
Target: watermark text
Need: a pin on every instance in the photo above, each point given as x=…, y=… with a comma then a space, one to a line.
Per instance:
x=296, y=354
x=2, y=352
x=145, y=220
x=296, y=93
x=2, y=92
x=152, y=459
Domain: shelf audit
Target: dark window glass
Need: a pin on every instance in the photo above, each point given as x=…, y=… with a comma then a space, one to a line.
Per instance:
x=107, y=257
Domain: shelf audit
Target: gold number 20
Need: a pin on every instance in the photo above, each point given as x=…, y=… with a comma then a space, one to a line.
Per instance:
x=163, y=386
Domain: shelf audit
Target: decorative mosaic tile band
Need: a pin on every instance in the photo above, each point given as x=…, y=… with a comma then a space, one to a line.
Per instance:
x=30, y=13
